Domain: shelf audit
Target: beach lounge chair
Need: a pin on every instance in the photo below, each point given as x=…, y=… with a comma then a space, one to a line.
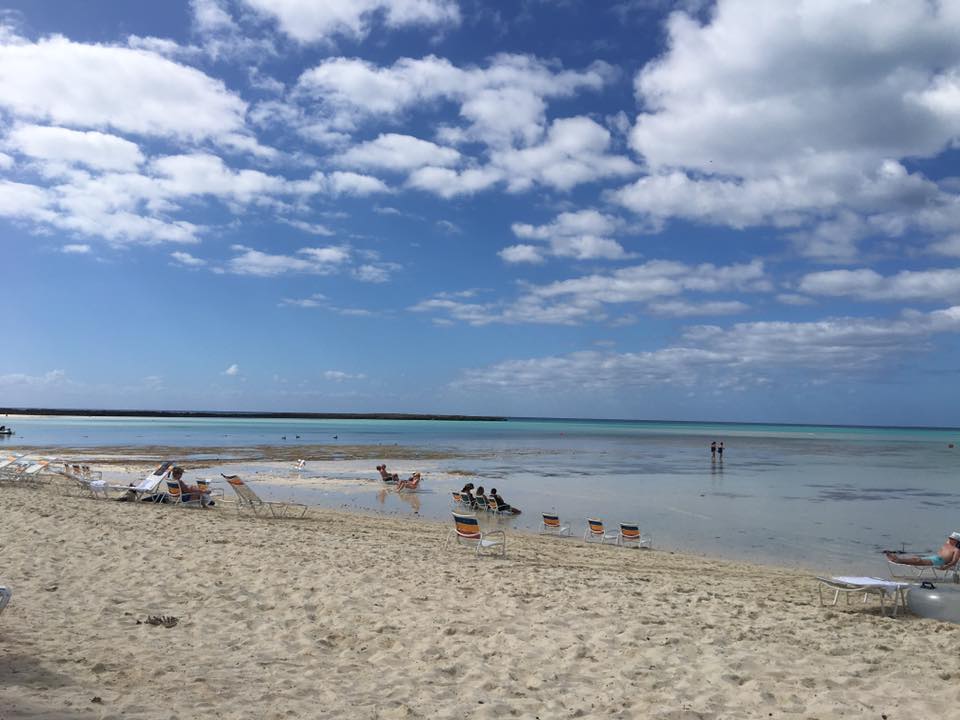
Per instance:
x=83, y=479
x=457, y=498
x=550, y=525
x=174, y=496
x=494, y=507
x=247, y=499
x=147, y=488
x=630, y=536
x=5, y=595
x=918, y=573
x=867, y=586
x=26, y=471
x=8, y=460
x=596, y=533
x=466, y=528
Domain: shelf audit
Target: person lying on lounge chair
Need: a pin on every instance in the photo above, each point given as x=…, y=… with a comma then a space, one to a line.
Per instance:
x=387, y=477
x=410, y=484
x=501, y=505
x=946, y=556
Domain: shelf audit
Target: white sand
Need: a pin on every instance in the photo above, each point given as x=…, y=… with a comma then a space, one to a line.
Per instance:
x=347, y=616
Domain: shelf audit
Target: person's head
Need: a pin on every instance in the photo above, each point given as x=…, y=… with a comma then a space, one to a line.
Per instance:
x=467, y=488
x=954, y=539
x=480, y=490
x=493, y=491
x=177, y=473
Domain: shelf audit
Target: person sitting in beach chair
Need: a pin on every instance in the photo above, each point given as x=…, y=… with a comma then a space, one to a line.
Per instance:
x=466, y=495
x=188, y=493
x=480, y=499
x=502, y=507
x=387, y=477
x=412, y=484
x=946, y=557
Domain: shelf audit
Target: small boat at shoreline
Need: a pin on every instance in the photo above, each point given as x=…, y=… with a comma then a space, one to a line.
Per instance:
x=6, y=431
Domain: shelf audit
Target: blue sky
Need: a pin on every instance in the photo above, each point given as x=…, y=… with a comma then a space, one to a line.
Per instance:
x=738, y=210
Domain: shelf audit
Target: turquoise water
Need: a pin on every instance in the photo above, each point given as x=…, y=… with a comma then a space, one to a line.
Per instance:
x=822, y=497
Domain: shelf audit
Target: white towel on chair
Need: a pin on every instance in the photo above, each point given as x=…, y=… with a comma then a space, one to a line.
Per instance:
x=870, y=582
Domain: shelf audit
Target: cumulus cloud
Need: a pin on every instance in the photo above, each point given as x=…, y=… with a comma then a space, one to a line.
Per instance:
x=581, y=235
x=307, y=21
x=76, y=249
x=136, y=91
x=866, y=284
x=187, y=260
x=589, y=298
x=783, y=114
x=93, y=149
x=743, y=355
x=397, y=152
x=232, y=371
x=315, y=261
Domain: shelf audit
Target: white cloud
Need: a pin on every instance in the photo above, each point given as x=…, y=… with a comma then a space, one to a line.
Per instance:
x=75, y=249
x=573, y=152
x=791, y=114
x=308, y=21
x=340, y=376
x=315, y=261
x=681, y=308
x=948, y=246
x=99, y=86
x=53, y=377
x=398, y=152
x=449, y=183
x=586, y=298
x=307, y=227
x=315, y=300
x=93, y=149
x=6, y=162
x=743, y=355
x=579, y=235
x=187, y=259
x=503, y=103
x=522, y=254
x=232, y=371
x=866, y=284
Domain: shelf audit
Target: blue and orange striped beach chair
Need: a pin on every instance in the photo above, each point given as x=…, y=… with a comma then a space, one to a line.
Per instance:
x=595, y=532
x=467, y=529
x=630, y=536
x=550, y=525
x=176, y=497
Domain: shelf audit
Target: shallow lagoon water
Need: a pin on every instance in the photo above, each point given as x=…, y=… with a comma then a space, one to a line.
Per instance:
x=814, y=496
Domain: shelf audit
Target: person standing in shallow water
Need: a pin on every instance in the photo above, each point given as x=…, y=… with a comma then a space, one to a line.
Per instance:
x=713, y=450
x=720, y=451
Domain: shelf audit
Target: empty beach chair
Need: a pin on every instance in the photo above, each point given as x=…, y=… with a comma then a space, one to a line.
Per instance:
x=849, y=585
x=147, y=488
x=247, y=499
x=11, y=465
x=596, y=533
x=630, y=536
x=550, y=525
x=5, y=595
x=86, y=482
x=466, y=528
x=457, y=498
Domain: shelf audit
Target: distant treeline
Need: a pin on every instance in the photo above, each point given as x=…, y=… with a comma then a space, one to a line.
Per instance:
x=84, y=412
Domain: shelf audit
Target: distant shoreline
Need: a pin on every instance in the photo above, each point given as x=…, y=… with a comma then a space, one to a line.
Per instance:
x=84, y=412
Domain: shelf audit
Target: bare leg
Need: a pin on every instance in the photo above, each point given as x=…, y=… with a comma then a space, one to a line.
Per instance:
x=907, y=559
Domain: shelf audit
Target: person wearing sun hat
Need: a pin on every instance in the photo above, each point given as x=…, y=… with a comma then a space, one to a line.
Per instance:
x=946, y=557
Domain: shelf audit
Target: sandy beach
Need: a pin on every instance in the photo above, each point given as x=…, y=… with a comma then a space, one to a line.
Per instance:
x=347, y=615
